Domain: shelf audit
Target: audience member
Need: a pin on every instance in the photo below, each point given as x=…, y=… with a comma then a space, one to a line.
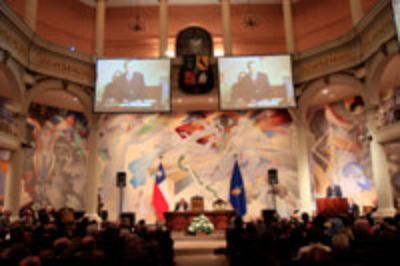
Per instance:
x=57, y=239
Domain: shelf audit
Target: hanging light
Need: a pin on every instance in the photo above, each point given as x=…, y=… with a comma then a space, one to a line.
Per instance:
x=137, y=24
x=250, y=20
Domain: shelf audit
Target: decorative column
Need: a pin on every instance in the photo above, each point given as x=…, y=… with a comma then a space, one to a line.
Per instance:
x=357, y=12
x=226, y=25
x=100, y=26
x=92, y=184
x=380, y=169
x=163, y=28
x=288, y=22
x=12, y=195
x=303, y=164
x=31, y=13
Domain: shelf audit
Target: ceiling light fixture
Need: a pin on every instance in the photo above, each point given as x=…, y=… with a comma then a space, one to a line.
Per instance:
x=250, y=20
x=137, y=25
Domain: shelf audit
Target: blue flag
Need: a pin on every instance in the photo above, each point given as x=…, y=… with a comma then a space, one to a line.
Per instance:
x=237, y=195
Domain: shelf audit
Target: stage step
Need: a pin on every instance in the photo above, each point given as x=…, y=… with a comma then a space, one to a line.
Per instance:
x=200, y=251
x=182, y=236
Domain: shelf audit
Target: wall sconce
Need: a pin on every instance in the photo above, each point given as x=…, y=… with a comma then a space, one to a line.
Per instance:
x=170, y=53
x=218, y=52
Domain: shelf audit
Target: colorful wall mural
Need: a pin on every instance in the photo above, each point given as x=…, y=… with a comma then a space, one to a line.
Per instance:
x=56, y=163
x=340, y=151
x=393, y=156
x=198, y=156
x=4, y=164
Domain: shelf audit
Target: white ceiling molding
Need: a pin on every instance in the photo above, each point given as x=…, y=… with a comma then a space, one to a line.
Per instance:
x=118, y=3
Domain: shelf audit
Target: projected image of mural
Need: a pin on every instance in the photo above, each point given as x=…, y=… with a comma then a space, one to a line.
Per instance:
x=55, y=165
x=340, y=152
x=4, y=164
x=198, y=156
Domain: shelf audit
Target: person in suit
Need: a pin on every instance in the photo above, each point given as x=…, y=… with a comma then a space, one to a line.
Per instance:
x=114, y=92
x=334, y=191
x=257, y=81
x=134, y=82
x=181, y=205
x=238, y=90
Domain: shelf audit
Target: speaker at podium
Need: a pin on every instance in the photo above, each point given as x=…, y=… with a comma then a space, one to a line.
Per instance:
x=269, y=215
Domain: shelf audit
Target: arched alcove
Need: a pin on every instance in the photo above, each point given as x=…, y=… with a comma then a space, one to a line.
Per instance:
x=333, y=109
x=58, y=123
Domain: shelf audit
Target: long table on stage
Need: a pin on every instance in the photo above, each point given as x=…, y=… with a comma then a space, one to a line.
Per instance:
x=180, y=221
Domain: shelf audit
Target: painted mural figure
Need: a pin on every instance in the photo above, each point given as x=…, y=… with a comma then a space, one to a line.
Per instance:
x=56, y=164
x=43, y=161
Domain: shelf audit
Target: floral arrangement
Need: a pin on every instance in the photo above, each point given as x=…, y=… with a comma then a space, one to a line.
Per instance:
x=200, y=224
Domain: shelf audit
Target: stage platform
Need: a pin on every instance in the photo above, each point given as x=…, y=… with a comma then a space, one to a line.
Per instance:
x=200, y=250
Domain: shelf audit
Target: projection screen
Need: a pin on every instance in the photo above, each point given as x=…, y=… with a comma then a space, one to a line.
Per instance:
x=132, y=85
x=396, y=10
x=252, y=82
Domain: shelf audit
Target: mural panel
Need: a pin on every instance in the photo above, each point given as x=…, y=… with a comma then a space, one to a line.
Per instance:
x=393, y=156
x=56, y=162
x=198, y=155
x=340, y=152
x=4, y=164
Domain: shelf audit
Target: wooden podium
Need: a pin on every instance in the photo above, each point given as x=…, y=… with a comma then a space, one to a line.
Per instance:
x=332, y=206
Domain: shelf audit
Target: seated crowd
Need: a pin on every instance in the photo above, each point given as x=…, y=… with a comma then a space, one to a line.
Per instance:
x=342, y=240
x=59, y=238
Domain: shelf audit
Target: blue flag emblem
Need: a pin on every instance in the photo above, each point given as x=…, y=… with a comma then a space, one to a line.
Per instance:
x=237, y=195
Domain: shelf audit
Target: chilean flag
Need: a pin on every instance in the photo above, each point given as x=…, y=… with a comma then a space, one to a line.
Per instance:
x=160, y=203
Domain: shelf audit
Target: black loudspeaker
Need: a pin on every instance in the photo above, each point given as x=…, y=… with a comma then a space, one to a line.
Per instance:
x=79, y=215
x=104, y=215
x=269, y=215
x=127, y=219
x=121, y=179
x=273, y=176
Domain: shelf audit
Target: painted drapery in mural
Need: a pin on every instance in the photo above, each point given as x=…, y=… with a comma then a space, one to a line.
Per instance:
x=198, y=156
x=56, y=162
x=340, y=151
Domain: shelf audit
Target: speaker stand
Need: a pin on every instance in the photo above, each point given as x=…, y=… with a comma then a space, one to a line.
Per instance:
x=121, y=199
x=274, y=198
